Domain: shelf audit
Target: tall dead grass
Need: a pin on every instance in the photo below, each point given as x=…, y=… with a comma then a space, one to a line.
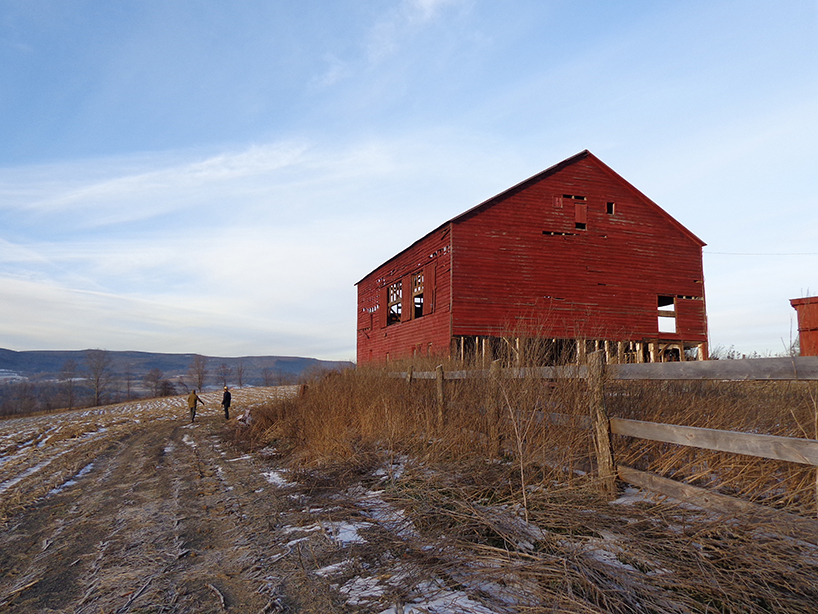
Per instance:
x=531, y=521
x=542, y=427
x=772, y=408
x=355, y=411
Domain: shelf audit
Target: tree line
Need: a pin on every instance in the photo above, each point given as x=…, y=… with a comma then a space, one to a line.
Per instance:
x=93, y=382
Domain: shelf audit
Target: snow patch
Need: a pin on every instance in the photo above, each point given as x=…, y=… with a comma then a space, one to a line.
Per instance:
x=70, y=482
x=276, y=477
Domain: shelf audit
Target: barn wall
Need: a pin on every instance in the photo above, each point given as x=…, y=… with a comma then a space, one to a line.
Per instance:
x=807, y=310
x=426, y=335
x=542, y=262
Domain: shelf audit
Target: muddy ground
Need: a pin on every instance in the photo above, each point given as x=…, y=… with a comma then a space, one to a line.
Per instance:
x=133, y=508
x=145, y=514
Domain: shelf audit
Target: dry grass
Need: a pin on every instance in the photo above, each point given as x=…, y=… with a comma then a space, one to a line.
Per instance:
x=350, y=413
x=771, y=408
x=533, y=521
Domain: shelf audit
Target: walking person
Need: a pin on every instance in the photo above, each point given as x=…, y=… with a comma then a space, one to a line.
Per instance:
x=226, y=403
x=192, y=400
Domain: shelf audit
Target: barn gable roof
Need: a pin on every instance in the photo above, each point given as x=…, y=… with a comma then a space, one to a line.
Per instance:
x=494, y=200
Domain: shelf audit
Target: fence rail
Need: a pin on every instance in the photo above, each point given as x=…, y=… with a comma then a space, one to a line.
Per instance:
x=790, y=449
x=758, y=369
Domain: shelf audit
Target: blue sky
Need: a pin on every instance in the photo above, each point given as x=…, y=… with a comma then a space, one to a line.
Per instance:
x=214, y=177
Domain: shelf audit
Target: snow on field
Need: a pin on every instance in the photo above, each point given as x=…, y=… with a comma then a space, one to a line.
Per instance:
x=70, y=482
x=28, y=446
x=368, y=589
x=276, y=478
x=48, y=447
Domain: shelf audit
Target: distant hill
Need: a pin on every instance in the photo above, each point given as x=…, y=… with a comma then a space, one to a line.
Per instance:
x=43, y=366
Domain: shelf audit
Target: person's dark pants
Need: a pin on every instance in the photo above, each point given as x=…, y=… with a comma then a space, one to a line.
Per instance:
x=227, y=412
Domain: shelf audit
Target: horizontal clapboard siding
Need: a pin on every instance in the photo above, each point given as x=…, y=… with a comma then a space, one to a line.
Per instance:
x=601, y=282
x=573, y=252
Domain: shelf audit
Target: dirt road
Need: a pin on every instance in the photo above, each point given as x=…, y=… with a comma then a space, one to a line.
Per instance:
x=135, y=509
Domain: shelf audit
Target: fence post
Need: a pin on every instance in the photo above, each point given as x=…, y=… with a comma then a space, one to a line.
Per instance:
x=409, y=373
x=493, y=409
x=441, y=399
x=602, y=427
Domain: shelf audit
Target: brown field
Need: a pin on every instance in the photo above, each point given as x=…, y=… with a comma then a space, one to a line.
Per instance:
x=354, y=497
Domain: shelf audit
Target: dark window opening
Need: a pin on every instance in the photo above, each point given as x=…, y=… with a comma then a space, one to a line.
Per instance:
x=610, y=208
x=580, y=225
x=417, y=295
x=394, y=303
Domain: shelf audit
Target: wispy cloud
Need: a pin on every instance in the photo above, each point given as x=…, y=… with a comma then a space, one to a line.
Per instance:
x=337, y=70
x=396, y=26
x=150, y=190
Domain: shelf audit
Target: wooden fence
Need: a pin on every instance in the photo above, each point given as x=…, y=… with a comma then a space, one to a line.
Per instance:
x=791, y=449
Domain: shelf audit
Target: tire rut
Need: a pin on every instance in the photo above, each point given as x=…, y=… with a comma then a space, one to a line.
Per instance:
x=165, y=522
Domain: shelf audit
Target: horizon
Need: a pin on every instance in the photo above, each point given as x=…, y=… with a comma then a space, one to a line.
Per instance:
x=219, y=177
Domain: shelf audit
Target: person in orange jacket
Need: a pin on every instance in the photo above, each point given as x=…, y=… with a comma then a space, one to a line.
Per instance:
x=192, y=400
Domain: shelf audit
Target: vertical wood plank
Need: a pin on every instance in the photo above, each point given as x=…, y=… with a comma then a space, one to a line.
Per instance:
x=429, y=289
x=384, y=309
x=441, y=398
x=602, y=429
x=493, y=409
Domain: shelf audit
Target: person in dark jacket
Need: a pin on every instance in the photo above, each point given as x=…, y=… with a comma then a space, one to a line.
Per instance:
x=192, y=400
x=226, y=403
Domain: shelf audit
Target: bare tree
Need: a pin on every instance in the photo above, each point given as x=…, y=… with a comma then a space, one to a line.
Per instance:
x=198, y=371
x=153, y=380
x=240, y=374
x=68, y=376
x=166, y=388
x=128, y=381
x=224, y=372
x=267, y=376
x=26, y=394
x=99, y=372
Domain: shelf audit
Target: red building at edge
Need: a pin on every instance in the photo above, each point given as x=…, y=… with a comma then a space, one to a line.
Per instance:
x=574, y=257
x=807, y=310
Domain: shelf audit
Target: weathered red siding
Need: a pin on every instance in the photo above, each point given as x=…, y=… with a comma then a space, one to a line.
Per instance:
x=807, y=310
x=575, y=252
x=601, y=282
x=427, y=335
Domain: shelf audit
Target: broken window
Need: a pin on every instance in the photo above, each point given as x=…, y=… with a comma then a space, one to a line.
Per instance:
x=667, y=314
x=417, y=295
x=580, y=210
x=394, y=303
x=580, y=216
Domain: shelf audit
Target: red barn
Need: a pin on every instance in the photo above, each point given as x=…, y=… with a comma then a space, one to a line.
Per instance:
x=574, y=257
